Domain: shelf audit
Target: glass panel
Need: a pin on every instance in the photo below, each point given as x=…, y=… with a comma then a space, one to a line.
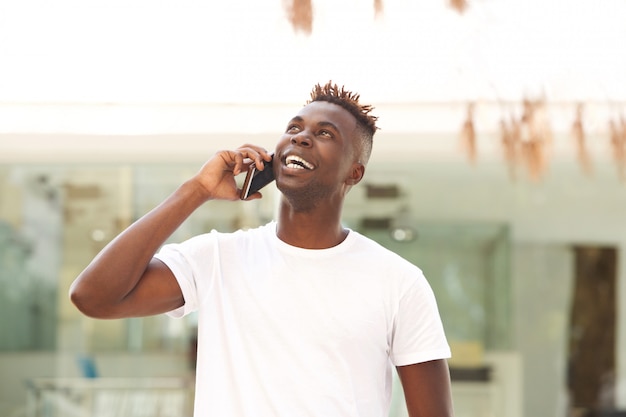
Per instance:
x=467, y=266
x=30, y=231
x=55, y=219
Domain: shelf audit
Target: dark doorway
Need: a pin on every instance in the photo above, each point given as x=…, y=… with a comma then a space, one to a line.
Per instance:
x=591, y=356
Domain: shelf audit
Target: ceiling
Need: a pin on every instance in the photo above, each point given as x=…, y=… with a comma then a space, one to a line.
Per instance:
x=191, y=51
x=73, y=71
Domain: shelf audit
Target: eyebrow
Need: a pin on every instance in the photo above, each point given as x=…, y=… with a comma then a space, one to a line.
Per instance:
x=296, y=119
x=328, y=124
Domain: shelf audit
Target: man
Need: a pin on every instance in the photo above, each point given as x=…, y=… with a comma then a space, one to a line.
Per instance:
x=300, y=317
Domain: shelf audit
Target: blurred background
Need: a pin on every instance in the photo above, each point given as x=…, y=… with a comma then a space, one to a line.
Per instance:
x=499, y=169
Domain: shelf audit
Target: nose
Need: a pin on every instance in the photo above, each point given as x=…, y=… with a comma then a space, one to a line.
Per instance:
x=301, y=139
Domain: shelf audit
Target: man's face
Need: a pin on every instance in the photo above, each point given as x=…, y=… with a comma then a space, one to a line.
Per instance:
x=316, y=156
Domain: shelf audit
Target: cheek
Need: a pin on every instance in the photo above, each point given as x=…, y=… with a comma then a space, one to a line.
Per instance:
x=282, y=142
x=343, y=170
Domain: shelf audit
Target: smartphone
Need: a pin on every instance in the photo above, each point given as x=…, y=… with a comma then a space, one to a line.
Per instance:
x=255, y=179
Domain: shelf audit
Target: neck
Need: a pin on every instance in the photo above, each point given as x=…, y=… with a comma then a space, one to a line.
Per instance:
x=314, y=229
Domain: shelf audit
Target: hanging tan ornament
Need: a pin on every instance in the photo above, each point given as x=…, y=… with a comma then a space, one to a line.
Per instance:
x=468, y=135
x=618, y=146
x=533, y=155
x=516, y=137
x=578, y=133
x=622, y=149
x=300, y=14
x=526, y=144
x=536, y=138
x=459, y=5
x=378, y=8
x=510, y=134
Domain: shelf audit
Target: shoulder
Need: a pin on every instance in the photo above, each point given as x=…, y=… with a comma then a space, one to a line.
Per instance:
x=215, y=239
x=369, y=258
x=369, y=248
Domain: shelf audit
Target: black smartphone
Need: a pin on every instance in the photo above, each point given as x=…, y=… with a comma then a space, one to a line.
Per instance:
x=255, y=179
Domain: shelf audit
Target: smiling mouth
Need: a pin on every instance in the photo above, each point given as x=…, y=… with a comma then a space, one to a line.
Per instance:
x=295, y=162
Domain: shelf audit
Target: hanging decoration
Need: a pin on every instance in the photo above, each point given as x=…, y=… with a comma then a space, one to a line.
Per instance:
x=510, y=134
x=527, y=141
x=617, y=130
x=378, y=8
x=300, y=15
x=300, y=12
x=536, y=139
x=459, y=5
x=578, y=133
x=468, y=135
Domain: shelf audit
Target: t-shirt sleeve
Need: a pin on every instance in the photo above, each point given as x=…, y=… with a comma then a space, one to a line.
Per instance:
x=418, y=334
x=178, y=258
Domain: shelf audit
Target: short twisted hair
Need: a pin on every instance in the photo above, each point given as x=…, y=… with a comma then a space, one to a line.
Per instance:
x=366, y=123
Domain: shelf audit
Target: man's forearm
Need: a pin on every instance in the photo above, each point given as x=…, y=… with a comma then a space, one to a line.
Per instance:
x=116, y=270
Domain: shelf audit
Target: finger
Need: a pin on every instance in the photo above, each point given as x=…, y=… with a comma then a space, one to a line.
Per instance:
x=255, y=155
x=267, y=157
x=239, y=163
x=264, y=157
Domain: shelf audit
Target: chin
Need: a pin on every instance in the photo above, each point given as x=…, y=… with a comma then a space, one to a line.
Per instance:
x=301, y=199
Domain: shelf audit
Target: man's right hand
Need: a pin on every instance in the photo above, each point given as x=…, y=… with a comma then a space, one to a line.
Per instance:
x=124, y=279
x=216, y=178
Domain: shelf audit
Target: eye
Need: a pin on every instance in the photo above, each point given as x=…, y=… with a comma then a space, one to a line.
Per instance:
x=325, y=133
x=293, y=128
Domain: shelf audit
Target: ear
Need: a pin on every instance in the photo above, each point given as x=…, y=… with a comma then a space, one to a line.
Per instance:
x=356, y=174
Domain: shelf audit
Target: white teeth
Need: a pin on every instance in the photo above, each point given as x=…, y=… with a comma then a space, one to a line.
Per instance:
x=296, y=162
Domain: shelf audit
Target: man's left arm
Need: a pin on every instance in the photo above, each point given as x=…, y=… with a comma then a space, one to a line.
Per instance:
x=426, y=388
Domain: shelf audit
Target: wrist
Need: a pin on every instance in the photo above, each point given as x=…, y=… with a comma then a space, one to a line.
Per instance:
x=194, y=192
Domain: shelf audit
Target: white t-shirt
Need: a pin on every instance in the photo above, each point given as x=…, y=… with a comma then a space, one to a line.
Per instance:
x=286, y=331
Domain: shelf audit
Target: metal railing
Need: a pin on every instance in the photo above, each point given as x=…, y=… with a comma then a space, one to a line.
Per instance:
x=109, y=397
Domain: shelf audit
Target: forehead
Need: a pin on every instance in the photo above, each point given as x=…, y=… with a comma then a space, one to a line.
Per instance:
x=326, y=112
